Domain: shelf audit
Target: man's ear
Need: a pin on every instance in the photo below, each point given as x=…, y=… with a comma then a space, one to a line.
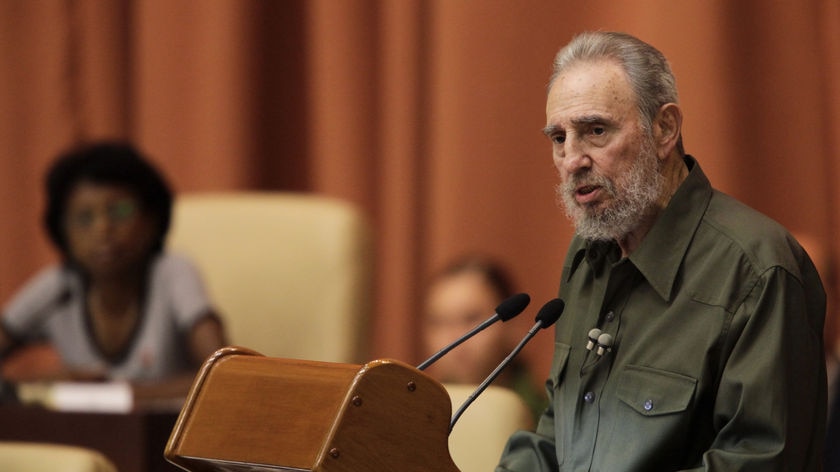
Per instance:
x=667, y=128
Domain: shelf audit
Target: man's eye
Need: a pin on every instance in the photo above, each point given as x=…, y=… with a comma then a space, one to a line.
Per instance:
x=599, y=130
x=558, y=138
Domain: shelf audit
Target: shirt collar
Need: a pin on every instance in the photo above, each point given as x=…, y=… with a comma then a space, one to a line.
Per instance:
x=662, y=250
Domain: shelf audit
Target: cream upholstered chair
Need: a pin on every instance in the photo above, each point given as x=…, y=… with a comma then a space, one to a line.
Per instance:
x=47, y=457
x=480, y=434
x=289, y=272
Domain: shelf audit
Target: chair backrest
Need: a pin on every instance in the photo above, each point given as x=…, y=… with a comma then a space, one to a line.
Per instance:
x=289, y=272
x=480, y=434
x=48, y=457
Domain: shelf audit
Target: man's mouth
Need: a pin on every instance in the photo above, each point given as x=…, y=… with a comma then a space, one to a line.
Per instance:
x=586, y=189
x=587, y=194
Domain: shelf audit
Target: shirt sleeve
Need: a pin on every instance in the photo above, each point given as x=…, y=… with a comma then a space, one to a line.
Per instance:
x=188, y=295
x=770, y=406
x=42, y=296
x=536, y=451
x=533, y=451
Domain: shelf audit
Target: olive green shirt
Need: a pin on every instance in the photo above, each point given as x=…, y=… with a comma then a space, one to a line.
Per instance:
x=717, y=360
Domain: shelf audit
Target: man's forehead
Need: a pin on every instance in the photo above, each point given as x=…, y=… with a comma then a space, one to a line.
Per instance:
x=590, y=77
x=589, y=92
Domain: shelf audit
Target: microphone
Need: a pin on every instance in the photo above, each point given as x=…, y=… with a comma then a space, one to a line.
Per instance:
x=605, y=342
x=594, y=333
x=599, y=342
x=506, y=310
x=547, y=316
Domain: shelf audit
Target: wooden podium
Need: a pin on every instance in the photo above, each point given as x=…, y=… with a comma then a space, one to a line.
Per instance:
x=248, y=412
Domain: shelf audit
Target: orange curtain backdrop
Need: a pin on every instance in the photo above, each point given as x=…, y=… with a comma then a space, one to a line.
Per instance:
x=427, y=114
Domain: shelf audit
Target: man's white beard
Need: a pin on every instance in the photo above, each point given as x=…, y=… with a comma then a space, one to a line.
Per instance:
x=632, y=198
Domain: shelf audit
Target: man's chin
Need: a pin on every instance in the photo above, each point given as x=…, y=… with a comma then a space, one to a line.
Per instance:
x=592, y=229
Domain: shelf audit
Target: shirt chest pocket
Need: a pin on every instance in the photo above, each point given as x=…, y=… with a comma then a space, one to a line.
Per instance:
x=558, y=364
x=650, y=418
x=653, y=392
x=559, y=398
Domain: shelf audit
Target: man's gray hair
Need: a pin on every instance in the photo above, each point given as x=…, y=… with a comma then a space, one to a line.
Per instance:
x=646, y=68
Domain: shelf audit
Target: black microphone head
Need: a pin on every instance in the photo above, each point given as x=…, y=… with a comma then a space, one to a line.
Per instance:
x=550, y=312
x=512, y=306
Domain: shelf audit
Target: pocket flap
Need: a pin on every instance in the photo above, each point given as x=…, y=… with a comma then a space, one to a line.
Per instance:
x=654, y=392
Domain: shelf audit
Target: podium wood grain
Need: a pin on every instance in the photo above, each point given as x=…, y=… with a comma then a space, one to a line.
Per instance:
x=249, y=412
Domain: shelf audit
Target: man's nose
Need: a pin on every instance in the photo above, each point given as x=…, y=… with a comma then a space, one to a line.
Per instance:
x=574, y=156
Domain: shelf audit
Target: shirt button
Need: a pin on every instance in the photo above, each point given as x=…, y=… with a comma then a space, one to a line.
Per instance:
x=648, y=405
x=589, y=397
x=610, y=315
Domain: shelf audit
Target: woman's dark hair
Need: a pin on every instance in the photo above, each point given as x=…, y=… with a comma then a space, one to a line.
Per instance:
x=106, y=163
x=493, y=272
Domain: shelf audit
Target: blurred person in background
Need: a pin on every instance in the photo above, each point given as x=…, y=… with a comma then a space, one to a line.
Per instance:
x=117, y=306
x=459, y=297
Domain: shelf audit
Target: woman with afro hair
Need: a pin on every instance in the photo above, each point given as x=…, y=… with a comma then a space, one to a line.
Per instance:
x=117, y=306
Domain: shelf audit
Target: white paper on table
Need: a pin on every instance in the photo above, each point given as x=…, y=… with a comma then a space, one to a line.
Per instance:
x=103, y=397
